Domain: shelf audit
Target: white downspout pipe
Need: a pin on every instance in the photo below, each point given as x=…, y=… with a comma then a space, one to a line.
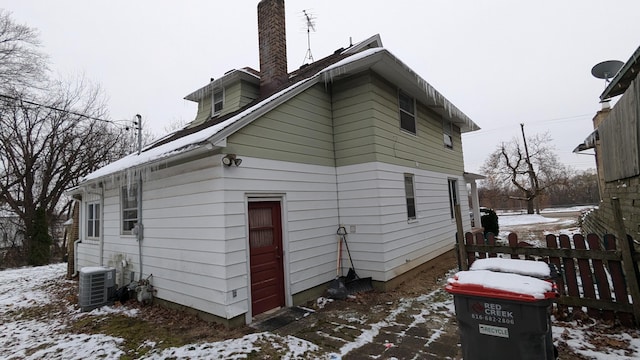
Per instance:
x=101, y=238
x=75, y=257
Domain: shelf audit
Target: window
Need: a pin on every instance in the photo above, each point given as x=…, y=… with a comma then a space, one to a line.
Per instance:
x=447, y=130
x=410, y=195
x=407, y=112
x=93, y=220
x=218, y=98
x=453, y=196
x=129, y=208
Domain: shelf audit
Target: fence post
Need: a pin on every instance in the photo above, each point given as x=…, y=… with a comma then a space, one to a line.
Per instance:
x=627, y=259
x=462, y=251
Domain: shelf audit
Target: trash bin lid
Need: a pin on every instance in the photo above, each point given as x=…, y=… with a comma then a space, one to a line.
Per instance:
x=537, y=269
x=497, y=285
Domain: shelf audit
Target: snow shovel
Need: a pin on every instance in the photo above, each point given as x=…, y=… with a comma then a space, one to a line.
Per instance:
x=353, y=282
x=337, y=288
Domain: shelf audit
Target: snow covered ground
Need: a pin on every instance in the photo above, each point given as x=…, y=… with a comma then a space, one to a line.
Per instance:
x=24, y=335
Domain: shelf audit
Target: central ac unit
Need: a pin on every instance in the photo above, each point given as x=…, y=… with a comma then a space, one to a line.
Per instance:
x=96, y=288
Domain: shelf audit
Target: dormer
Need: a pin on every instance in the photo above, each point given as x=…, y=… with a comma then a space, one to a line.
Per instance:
x=229, y=93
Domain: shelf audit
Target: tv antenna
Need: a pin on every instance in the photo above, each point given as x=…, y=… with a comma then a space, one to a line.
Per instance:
x=311, y=25
x=606, y=70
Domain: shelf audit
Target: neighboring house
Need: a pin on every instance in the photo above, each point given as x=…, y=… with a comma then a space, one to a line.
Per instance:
x=11, y=233
x=616, y=141
x=11, y=237
x=240, y=209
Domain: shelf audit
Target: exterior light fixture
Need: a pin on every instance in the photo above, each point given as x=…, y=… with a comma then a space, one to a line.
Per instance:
x=230, y=159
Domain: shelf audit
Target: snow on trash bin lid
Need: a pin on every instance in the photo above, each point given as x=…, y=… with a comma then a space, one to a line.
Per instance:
x=485, y=283
x=537, y=269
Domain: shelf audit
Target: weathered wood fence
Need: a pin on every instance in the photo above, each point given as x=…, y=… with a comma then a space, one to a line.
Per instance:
x=593, y=272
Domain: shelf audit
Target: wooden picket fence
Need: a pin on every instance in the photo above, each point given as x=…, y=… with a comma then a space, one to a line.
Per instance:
x=594, y=273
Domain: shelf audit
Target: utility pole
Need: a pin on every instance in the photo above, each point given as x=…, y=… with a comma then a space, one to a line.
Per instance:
x=139, y=128
x=532, y=174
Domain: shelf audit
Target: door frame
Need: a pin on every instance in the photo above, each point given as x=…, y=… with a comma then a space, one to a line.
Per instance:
x=281, y=198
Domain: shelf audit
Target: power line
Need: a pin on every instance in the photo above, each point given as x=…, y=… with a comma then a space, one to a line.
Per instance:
x=114, y=122
x=556, y=120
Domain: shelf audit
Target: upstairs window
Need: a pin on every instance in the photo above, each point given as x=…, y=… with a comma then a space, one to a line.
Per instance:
x=407, y=112
x=93, y=220
x=218, y=100
x=447, y=130
x=410, y=196
x=129, y=208
x=453, y=196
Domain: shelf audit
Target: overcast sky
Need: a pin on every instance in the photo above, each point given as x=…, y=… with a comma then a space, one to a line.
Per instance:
x=501, y=62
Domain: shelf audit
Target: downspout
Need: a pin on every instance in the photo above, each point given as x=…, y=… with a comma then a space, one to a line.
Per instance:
x=75, y=256
x=139, y=227
x=76, y=242
x=101, y=224
x=335, y=157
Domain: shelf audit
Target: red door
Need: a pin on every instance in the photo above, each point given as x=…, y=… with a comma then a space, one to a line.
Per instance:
x=265, y=252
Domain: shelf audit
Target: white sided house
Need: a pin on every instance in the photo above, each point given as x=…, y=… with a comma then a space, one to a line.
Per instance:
x=237, y=213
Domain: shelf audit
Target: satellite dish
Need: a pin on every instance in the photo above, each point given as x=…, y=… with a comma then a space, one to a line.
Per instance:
x=606, y=69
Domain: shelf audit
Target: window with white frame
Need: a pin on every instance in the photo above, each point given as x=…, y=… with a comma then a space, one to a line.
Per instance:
x=409, y=191
x=218, y=101
x=93, y=220
x=407, y=107
x=453, y=196
x=447, y=131
x=129, y=201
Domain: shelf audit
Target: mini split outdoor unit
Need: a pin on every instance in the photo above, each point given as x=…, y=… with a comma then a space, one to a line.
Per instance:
x=96, y=288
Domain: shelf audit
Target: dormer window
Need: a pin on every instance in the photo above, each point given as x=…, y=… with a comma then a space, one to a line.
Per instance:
x=218, y=100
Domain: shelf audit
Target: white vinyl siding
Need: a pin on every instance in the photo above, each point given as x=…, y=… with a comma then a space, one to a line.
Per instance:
x=195, y=241
x=372, y=199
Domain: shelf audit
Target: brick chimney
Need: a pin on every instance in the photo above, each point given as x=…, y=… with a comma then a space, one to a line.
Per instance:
x=272, y=45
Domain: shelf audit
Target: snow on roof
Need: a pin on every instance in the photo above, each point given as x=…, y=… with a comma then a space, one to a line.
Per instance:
x=514, y=283
x=538, y=269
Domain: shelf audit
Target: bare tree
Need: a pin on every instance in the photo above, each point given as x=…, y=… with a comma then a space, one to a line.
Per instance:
x=22, y=65
x=48, y=142
x=530, y=171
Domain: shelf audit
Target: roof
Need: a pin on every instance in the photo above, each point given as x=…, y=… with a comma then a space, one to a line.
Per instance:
x=340, y=64
x=623, y=78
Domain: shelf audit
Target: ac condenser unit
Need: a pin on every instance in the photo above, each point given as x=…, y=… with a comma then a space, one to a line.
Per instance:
x=96, y=288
